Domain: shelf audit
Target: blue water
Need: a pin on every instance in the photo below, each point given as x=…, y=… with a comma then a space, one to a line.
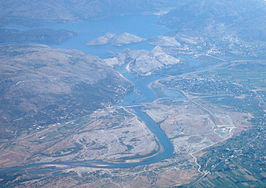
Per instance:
x=142, y=93
x=144, y=26
x=167, y=146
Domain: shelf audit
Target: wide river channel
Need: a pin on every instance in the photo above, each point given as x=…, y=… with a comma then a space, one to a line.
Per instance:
x=144, y=26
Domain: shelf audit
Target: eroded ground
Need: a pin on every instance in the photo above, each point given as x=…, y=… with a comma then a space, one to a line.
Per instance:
x=115, y=134
x=109, y=135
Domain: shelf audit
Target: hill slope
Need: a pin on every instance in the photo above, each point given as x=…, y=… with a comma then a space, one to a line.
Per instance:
x=26, y=12
x=41, y=85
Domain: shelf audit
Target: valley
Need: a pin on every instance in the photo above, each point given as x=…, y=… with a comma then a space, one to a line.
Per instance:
x=125, y=96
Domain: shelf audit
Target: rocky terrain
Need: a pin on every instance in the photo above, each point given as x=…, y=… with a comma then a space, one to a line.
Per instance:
x=143, y=62
x=165, y=41
x=34, y=12
x=184, y=108
x=226, y=17
x=41, y=85
x=116, y=40
x=99, y=136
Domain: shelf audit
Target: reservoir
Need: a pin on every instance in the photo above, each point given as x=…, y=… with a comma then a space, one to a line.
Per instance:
x=146, y=27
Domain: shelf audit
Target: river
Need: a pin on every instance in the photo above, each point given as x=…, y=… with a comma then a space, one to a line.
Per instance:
x=144, y=26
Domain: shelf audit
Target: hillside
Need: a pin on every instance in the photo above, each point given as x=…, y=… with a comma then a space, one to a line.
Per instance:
x=42, y=85
x=26, y=12
x=243, y=17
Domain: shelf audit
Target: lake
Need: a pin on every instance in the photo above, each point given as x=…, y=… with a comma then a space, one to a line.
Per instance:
x=144, y=26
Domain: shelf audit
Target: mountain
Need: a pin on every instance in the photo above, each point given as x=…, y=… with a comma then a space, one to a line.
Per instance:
x=143, y=62
x=32, y=12
x=184, y=108
x=243, y=17
x=116, y=40
x=42, y=85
